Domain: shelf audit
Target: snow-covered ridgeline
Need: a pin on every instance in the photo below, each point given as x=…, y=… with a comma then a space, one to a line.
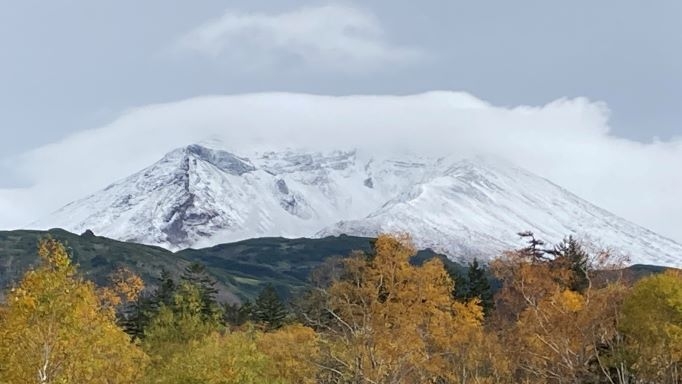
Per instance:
x=199, y=196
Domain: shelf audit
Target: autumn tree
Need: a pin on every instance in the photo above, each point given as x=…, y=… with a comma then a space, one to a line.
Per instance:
x=179, y=322
x=139, y=314
x=310, y=307
x=121, y=298
x=57, y=329
x=215, y=358
x=398, y=323
x=293, y=351
x=560, y=331
x=125, y=286
x=562, y=339
x=136, y=315
x=652, y=325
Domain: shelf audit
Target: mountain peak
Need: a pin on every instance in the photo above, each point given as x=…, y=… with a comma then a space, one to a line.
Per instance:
x=200, y=196
x=223, y=160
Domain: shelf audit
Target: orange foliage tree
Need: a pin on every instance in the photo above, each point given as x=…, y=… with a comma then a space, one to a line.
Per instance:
x=393, y=322
x=557, y=334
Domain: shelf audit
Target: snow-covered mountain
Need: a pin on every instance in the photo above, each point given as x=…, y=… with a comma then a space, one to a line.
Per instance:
x=198, y=196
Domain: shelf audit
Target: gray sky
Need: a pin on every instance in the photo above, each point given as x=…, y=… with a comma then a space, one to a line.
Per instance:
x=69, y=66
x=72, y=65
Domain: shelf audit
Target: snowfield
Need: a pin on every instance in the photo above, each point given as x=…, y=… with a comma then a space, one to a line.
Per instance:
x=198, y=196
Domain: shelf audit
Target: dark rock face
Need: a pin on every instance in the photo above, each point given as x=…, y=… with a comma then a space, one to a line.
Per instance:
x=282, y=187
x=288, y=200
x=183, y=214
x=289, y=204
x=223, y=160
x=182, y=218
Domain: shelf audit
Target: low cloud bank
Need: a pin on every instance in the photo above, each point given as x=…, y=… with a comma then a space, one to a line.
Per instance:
x=567, y=141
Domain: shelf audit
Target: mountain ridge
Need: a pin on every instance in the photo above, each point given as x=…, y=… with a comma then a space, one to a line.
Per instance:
x=241, y=269
x=465, y=208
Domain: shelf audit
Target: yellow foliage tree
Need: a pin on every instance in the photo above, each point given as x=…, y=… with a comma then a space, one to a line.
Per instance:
x=177, y=325
x=286, y=356
x=557, y=335
x=293, y=351
x=652, y=324
x=56, y=329
x=125, y=287
x=398, y=323
x=219, y=358
x=526, y=281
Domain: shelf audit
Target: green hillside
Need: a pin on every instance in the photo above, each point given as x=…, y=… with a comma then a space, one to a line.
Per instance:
x=241, y=268
x=96, y=256
x=247, y=265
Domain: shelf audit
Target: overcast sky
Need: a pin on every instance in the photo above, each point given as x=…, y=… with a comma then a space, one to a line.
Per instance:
x=71, y=66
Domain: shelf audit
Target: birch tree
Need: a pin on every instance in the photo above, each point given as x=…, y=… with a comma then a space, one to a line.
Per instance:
x=56, y=329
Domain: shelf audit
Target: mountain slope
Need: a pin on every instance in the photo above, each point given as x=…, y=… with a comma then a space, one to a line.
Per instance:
x=476, y=209
x=191, y=194
x=197, y=196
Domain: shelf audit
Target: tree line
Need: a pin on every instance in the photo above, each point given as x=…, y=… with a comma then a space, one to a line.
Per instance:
x=561, y=314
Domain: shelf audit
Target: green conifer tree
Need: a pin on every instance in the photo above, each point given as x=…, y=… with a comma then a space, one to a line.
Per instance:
x=269, y=310
x=166, y=286
x=197, y=275
x=460, y=291
x=136, y=316
x=572, y=255
x=479, y=286
x=237, y=314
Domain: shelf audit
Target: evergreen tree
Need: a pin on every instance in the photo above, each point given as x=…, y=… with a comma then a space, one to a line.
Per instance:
x=269, y=309
x=475, y=284
x=479, y=286
x=163, y=295
x=534, y=250
x=238, y=314
x=570, y=254
x=460, y=290
x=179, y=322
x=135, y=316
x=246, y=311
x=196, y=275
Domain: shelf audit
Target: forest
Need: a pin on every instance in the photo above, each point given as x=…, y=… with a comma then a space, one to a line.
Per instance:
x=556, y=314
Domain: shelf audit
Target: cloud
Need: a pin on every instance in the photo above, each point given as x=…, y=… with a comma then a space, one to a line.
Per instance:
x=567, y=141
x=325, y=38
